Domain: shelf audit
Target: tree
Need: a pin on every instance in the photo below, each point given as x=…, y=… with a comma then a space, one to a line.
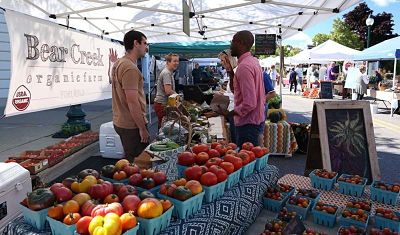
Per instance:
x=320, y=38
x=288, y=51
x=381, y=30
x=341, y=33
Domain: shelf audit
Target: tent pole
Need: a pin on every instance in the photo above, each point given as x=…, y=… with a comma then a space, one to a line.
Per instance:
x=281, y=67
x=394, y=73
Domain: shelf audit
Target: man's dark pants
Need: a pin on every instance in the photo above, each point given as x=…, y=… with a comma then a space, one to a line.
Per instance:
x=248, y=133
x=130, y=139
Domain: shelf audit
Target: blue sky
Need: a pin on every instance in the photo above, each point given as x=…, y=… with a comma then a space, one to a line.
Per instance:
x=378, y=6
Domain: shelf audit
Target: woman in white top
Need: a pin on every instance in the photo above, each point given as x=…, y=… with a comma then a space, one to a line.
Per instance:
x=361, y=83
x=273, y=75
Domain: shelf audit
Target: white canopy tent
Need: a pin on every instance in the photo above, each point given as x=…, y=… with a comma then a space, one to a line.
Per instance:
x=162, y=21
x=327, y=51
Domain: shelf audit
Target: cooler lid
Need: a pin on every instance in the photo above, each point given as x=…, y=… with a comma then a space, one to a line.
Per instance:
x=12, y=173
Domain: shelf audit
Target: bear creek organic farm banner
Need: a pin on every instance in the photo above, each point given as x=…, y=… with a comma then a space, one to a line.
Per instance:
x=53, y=67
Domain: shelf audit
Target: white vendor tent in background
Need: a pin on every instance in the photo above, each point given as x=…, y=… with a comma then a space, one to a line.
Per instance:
x=327, y=51
x=332, y=51
x=162, y=21
x=386, y=50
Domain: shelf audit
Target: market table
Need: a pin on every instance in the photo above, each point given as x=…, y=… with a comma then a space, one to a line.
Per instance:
x=233, y=213
x=389, y=96
x=329, y=197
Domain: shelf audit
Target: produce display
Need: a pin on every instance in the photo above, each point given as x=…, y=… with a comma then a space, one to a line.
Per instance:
x=325, y=174
x=351, y=230
x=352, y=179
x=147, y=179
x=359, y=204
x=386, y=213
x=356, y=214
x=181, y=189
x=299, y=201
x=388, y=187
x=326, y=208
x=169, y=145
x=385, y=231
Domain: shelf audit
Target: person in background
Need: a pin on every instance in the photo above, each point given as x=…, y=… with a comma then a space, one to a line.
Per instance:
x=196, y=74
x=269, y=94
x=299, y=72
x=229, y=63
x=249, y=92
x=165, y=86
x=331, y=72
x=361, y=83
x=378, y=77
x=128, y=99
x=293, y=80
x=273, y=75
x=322, y=72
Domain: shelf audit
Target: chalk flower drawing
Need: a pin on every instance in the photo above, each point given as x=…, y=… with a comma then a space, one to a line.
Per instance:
x=346, y=133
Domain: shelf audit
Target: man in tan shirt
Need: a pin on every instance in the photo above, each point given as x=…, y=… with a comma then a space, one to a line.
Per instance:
x=128, y=99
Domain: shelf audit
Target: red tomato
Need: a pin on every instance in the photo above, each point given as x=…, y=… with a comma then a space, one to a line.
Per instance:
x=198, y=148
x=265, y=150
x=82, y=226
x=251, y=155
x=227, y=166
x=213, y=161
x=231, y=151
x=237, y=162
x=209, y=179
x=193, y=173
x=204, y=169
x=258, y=151
x=233, y=146
x=244, y=156
x=186, y=158
x=213, y=153
x=219, y=172
x=201, y=158
x=214, y=144
x=221, y=149
x=247, y=146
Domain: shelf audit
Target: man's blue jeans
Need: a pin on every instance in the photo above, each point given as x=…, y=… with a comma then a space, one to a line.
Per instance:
x=248, y=133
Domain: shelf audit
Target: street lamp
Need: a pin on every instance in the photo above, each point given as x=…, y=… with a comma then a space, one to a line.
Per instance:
x=369, y=22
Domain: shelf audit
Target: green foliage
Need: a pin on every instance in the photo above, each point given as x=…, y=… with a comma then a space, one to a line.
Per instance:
x=274, y=103
x=341, y=33
x=320, y=38
x=381, y=30
x=288, y=51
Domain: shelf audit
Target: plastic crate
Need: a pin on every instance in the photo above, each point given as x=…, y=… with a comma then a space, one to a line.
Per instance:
x=382, y=222
x=247, y=170
x=132, y=231
x=348, y=222
x=156, y=225
x=261, y=162
x=212, y=193
x=324, y=218
x=383, y=196
x=154, y=190
x=59, y=228
x=184, y=209
x=364, y=233
x=124, y=181
x=303, y=212
x=322, y=183
x=313, y=201
x=355, y=190
x=181, y=169
x=35, y=218
x=233, y=179
x=274, y=205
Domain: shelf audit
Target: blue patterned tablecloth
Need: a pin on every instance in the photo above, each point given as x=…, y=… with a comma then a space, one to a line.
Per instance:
x=233, y=213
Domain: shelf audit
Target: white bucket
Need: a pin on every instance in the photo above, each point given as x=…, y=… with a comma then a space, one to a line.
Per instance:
x=353, y=96
x=374, y=108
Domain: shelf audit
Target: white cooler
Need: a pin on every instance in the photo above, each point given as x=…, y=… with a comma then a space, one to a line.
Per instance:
x=15, y=183
x=110, y=143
